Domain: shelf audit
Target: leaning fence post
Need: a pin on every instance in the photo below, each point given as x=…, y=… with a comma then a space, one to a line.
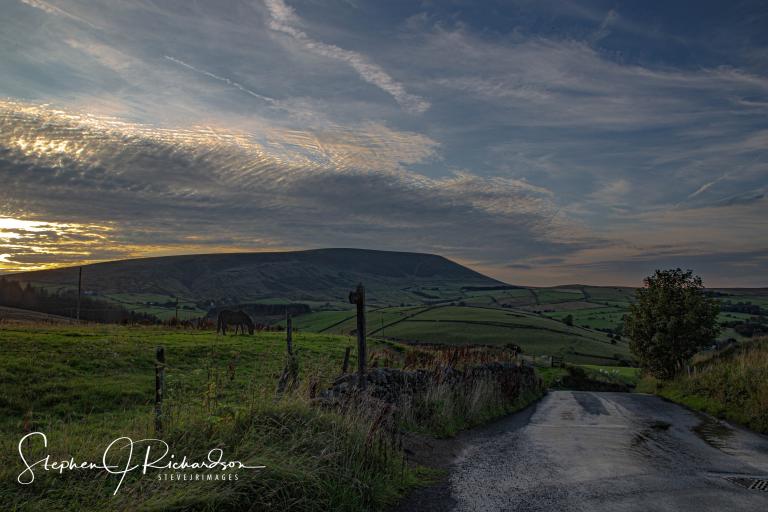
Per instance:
x=159, y=387
x=345, y=366
x=358, y=298
x=291, y=368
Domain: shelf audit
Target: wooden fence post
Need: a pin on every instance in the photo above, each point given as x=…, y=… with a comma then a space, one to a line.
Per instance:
x=289, y=332
x=290, y=373
x=358, y=298
x=159, y=388
x=345, y=366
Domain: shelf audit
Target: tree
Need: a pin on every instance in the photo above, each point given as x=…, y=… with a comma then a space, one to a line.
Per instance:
x=568, y=319
x=670, y=321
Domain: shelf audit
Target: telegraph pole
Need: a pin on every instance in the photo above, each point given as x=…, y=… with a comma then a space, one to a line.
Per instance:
x=79, y=290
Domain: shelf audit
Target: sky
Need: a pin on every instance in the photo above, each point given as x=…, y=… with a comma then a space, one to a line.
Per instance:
x=541, y=142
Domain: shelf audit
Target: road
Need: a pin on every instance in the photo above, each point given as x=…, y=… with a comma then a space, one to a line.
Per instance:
x=583, y=451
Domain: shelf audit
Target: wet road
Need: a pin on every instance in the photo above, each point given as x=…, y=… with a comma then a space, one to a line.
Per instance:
x=606, y=451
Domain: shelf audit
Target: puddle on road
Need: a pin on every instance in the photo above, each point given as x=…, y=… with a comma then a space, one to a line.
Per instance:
x=590, y=403
x=660, y=426
x=650, y=434
x=654, y=441
x=713, y=432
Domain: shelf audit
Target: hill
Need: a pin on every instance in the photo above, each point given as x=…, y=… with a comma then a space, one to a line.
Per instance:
x=25, y=315
x=421, y=298
x=321, y=277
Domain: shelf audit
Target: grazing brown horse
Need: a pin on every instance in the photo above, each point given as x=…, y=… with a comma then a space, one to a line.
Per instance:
x=239, y=319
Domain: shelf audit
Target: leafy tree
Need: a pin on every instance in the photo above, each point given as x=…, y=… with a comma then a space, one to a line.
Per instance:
x=568, y=319
x=670, y=321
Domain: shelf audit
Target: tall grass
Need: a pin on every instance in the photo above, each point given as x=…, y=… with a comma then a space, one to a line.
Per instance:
x=221, y=394
x=733, y=386
x=316, y=459
x=444, y=409
x=456, y=401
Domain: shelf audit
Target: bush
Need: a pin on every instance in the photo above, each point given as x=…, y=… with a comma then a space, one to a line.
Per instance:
x=670, y=321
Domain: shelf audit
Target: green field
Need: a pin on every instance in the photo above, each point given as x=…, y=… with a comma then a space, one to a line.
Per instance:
x=82, y=373
x=545, y=295
x=620, y=374
x=322, y=320
x=468, y=325
x=84, y=386
x=623, y=374
x=593, y=317
x=530, y=317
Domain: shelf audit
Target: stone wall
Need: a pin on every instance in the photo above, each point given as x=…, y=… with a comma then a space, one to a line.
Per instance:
x=390, y=384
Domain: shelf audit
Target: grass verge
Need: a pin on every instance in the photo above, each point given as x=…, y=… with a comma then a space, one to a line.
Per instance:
x=733, y=386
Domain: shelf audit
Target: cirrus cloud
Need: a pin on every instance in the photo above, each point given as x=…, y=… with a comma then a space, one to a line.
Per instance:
x=196, y=188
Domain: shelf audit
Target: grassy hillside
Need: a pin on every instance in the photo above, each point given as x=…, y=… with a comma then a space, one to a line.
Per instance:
x=398, y=285
x=24, y=315
x=733, y=386
x=85, y=386
x=320, y=277
x=57, y=377
x=462, y=325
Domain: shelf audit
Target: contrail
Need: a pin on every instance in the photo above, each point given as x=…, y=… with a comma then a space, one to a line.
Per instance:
x=52, y=9
x=284, y=19
x=222, y=79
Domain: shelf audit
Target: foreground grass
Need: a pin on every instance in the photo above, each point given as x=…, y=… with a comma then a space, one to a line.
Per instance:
x=51, y=373
x=314, y=460
x=84, y=386
x=732, y=387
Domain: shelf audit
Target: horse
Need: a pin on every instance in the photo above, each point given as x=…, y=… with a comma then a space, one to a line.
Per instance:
x=240, y=319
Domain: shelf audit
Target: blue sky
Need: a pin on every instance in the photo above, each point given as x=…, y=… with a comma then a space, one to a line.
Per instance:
x=542, y=142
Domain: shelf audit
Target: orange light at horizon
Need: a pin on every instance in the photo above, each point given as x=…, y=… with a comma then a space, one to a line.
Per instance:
x=37, y=245
x=29, y=245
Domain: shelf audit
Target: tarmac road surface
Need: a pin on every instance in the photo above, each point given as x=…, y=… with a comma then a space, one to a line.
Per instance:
x=584, y=451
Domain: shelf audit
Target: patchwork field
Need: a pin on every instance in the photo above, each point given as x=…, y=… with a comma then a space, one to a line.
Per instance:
x=534, y=318
x=468, y=325
x=573, y=321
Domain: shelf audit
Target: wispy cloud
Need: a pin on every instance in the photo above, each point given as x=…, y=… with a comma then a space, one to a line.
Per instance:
x=284, y=19
x=69, y=168
x=57, y=11
x=604, y=31
x=707, y=186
